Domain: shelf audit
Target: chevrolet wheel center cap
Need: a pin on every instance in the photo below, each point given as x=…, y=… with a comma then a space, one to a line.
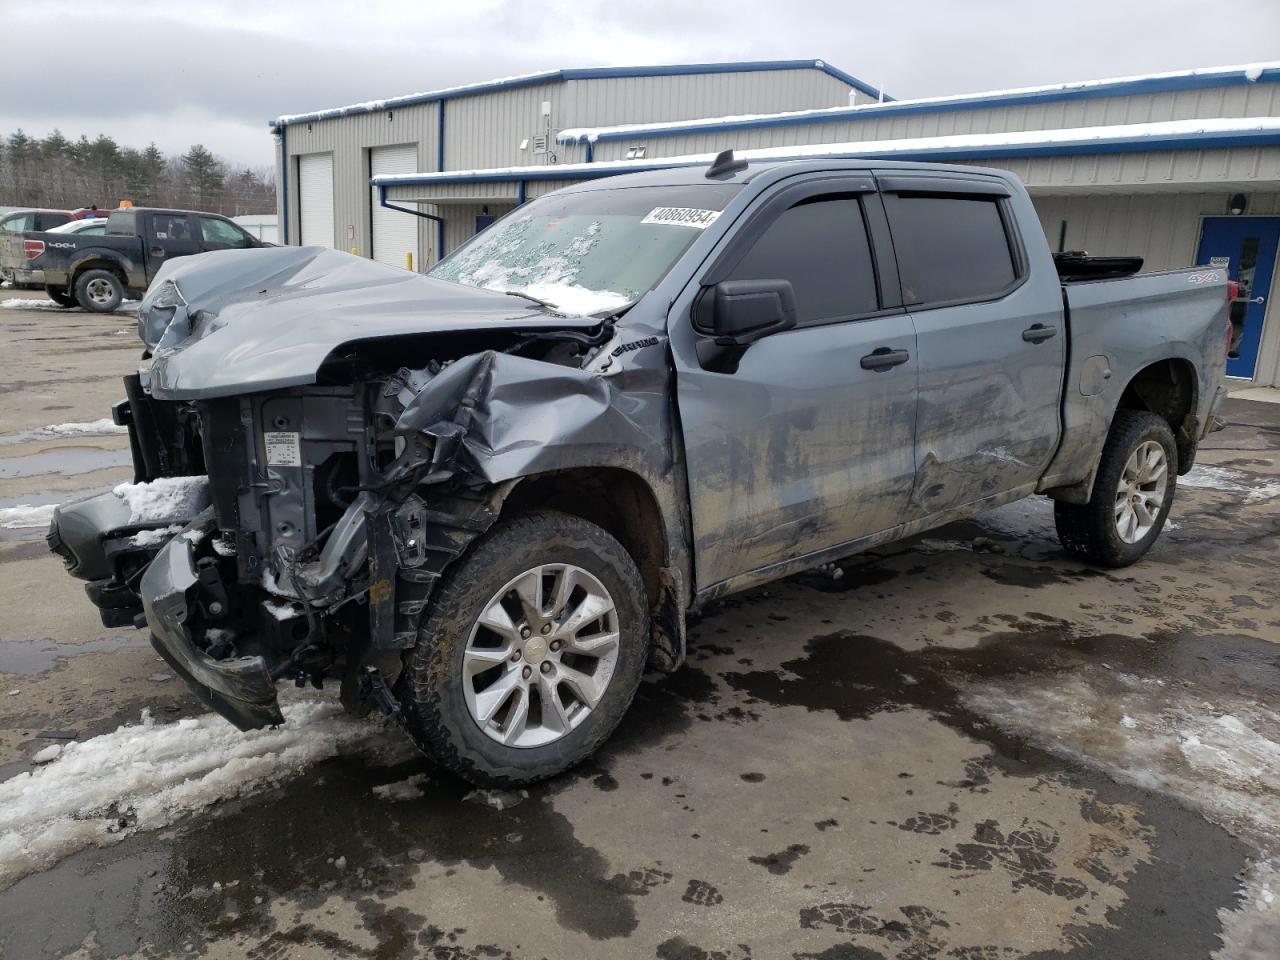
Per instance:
x=535, y=648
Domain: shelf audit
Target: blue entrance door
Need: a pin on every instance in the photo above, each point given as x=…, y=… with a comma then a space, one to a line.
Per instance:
x=1247, y=246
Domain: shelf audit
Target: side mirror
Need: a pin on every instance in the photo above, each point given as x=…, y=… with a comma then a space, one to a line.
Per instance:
x=739, y=312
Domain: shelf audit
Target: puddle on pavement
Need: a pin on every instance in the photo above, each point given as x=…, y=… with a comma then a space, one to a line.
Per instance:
x=27, y=657
x=179, y=891
x=66, y=461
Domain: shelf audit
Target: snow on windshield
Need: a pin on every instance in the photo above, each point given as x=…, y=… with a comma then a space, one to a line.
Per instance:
x=538, y=257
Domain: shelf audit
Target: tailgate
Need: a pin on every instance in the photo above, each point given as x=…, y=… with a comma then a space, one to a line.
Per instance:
x=11, y=251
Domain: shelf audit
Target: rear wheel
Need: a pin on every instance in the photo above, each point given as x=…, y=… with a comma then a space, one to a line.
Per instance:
x=1132, y=493
x=60, y=296
x=530, y=652
x=99, y=291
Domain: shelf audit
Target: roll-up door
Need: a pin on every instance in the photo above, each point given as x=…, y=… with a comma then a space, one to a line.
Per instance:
x=395, y=233
x=315, y=190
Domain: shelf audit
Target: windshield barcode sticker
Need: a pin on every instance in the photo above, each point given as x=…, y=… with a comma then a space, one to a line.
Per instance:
x=283, y=449
x=682, y=217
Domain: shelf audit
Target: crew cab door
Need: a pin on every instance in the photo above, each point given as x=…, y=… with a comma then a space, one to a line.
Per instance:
x=804, y=441
x=169, y=235
x=990, y=337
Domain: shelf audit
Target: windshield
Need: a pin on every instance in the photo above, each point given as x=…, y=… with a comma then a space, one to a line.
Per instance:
x=588, y=251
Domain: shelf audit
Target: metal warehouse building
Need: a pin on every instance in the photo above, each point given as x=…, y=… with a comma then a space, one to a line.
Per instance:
x=1178, y=168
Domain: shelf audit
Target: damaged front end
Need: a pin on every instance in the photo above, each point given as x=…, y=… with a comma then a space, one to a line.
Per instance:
x=327, y=489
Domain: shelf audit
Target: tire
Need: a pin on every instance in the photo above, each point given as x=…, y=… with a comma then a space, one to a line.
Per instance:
x=60, y=296
x=1105, y=531
x=99, y=291
x=444, y=702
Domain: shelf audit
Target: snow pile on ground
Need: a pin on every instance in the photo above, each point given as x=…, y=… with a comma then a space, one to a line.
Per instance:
x=21, y=303
x=1221, y=758
x=407, y=789
x=166, y=498
x=102, y=427
x=149, y=775
x=1231, y=481
x=26, y=515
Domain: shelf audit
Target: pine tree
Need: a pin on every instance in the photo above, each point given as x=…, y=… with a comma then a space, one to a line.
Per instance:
x=205, y=173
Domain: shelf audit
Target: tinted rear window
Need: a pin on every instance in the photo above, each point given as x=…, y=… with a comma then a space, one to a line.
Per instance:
x=950, y=248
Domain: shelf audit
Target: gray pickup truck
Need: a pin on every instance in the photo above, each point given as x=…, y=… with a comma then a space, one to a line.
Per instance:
x=485, y=499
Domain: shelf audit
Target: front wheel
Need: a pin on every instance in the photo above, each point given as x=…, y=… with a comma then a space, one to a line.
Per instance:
x=530, y=651
x=99, y=291
x=1132, y=493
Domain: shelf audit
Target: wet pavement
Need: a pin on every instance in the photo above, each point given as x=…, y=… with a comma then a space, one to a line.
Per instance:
x=967, y=746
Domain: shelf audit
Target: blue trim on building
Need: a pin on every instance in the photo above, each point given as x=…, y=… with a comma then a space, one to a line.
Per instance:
x=440, y=135
x=583, y=73
x=1013, y=98
x=1131, y=144
x=284, y=184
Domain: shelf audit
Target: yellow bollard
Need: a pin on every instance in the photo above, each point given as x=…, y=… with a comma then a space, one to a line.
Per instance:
x=408, y=261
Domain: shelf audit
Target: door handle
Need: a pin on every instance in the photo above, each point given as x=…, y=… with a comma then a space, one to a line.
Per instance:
x=157, y=251
x=1038, y=333
x=882, y=358
x=1258, y=300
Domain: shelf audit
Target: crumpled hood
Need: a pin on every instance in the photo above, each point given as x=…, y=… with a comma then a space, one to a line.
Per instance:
x=249, y=320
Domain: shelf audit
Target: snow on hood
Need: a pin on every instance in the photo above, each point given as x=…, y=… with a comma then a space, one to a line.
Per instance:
x=262, y=319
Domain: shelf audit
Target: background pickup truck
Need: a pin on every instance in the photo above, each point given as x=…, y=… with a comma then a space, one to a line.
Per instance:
x=96, y=271
x=486, y=498
x=20, y=221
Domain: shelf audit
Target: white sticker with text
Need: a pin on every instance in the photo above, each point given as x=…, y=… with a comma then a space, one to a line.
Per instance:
x=283, y=449
x=682, y=217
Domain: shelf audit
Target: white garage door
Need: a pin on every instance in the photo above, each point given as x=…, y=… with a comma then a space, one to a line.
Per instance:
x=315, y=191
x=394, y=233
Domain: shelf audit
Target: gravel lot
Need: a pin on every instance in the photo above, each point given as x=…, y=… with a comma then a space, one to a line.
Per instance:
x=967, y=746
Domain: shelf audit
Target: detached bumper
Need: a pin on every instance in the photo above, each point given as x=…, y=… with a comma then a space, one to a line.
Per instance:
x=239, y=689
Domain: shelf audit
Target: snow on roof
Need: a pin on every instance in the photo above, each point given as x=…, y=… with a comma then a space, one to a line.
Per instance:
x=1130, y=137
x=579, y=73
x=1081, y=89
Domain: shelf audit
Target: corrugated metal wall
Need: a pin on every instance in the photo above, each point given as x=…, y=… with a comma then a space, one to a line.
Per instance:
x=349, y=140
x=649, y=99
x=485, y=130
x=1242, y=168
x=1255, y=100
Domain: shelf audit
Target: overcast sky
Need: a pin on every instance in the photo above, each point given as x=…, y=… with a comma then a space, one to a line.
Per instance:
x=215, y=71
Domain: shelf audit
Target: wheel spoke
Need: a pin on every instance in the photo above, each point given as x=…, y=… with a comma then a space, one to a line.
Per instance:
x=554, y=715
x=496, y=618
x=517, y=721
x=480, y=659
x=566, y=580
x=584, y=687
x=592, y=608
x=1145, y=519
x=491, y=699
x=595, y=645
x=529, y=589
